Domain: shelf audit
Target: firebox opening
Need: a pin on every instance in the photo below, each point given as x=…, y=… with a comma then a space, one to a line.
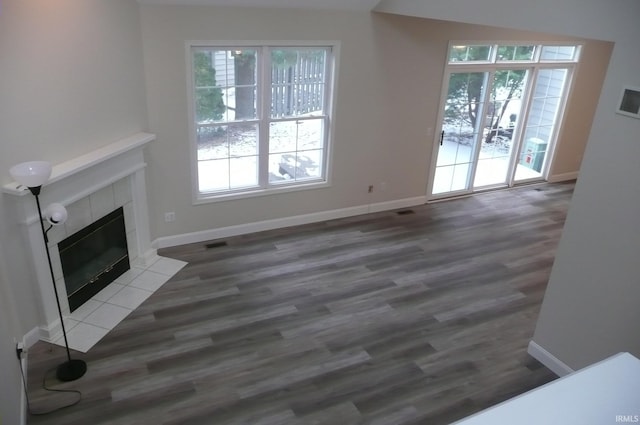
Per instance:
x=94, y=257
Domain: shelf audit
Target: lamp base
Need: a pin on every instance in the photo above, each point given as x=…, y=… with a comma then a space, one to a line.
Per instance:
x=71, y=370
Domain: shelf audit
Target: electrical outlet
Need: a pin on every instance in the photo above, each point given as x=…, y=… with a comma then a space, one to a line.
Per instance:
x=370, y=188
x=383, y=186
x=169, y=217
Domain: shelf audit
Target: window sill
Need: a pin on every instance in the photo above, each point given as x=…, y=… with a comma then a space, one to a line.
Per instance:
x=201, y=199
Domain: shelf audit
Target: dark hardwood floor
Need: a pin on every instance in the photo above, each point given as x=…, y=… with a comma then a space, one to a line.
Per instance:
x=420, y=317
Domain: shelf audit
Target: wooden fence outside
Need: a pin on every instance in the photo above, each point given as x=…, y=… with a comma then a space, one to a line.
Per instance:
x=298, y=89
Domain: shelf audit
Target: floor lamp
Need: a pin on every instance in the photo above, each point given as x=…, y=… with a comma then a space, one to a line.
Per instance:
x=33, y=175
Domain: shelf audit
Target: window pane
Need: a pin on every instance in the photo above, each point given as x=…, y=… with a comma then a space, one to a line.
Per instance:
x=227, y=157
x=243, y=140
x=515, y=53
x=295, y=149
x=212, y=142
x=283, y=136
x=469, y=53
x=303, y=165
x=209, y=102
x=243, y=172
x=225, y=84
x=288, y=136
x=558, y=53
x=213, y=175
x=297, y=82
x=242, y=97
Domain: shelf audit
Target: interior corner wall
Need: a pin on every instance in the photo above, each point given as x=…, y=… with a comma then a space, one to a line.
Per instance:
x=425, y=42
x=360, y=115
x=71, y=78
x=590, y=309
x=11, y=382
x=389, y=85
x=11, y=387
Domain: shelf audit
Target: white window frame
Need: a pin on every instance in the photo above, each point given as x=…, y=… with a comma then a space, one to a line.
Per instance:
x=264, y=118
x=494, y=44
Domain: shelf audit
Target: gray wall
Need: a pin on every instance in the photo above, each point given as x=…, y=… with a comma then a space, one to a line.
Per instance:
x=71, y=80
x=590, y=309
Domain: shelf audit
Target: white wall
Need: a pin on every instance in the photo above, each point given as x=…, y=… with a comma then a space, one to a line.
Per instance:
x=590, y=309
x=10, y=380
x=165, y=30
x=389, y=84
x=71, y=79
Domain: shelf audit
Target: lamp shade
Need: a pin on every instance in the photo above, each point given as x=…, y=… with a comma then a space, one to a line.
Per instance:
x=31, y=173
x=56, y=214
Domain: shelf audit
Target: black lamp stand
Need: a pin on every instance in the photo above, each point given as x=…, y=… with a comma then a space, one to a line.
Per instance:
x=72, y=369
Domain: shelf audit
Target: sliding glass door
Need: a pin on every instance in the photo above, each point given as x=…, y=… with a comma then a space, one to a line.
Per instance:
x=542, y=122
x=501, y=125
x=461, y=132
x=499, y=116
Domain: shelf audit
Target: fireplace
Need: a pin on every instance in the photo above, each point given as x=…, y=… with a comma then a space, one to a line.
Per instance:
x=91, y=186
x=94, y=257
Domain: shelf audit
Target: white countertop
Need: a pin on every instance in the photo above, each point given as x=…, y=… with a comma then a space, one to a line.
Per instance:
x=607, y=392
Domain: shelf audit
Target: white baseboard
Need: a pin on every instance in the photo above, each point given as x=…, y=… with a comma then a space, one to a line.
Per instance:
x=400, y=203
x=556, y=178
x=549, y=360
x=259, y=226
x=31, y=338
x=50, y=332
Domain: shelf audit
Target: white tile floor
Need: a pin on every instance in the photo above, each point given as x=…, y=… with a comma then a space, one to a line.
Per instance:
x=94, y=319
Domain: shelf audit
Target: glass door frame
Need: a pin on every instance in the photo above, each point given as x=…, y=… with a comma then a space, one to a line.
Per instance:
x=439, y=133
x=516, y=142
x=517, y=138
x=490, y=71
x=558, y=123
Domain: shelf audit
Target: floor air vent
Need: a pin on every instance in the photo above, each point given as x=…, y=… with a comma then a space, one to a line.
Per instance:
x=405, y=212
x=215, y=245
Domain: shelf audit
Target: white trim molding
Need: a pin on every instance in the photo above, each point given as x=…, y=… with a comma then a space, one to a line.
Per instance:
x=557, y=178
x=556, y=365
x=278, y=223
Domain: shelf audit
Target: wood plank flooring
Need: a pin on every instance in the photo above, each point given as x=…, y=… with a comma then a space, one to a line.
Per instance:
x=415, y=318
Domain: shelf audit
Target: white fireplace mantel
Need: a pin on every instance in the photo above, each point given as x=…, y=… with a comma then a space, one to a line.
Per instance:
x=80, y=184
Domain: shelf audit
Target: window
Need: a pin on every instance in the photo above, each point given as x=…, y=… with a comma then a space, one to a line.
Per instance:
x=466, y=53
x=515, y=53
x=462, y=53
x=559, y=53
x=260, y=118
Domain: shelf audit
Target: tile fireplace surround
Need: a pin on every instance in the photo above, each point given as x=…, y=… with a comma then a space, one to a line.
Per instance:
x=90, y=187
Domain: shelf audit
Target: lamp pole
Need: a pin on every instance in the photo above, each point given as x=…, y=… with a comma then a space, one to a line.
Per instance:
x=33, y=175
x=72, y=369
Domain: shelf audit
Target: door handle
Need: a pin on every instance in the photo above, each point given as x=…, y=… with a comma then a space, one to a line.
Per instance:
x=441, y=137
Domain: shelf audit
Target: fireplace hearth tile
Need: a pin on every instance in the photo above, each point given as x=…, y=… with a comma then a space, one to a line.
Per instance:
x=129, y=297
x=83, y=336
x=84, y=310
x=167, y=266
x=150, y=281
x=95, y=318
x=108, y=292
x=107, y=316
x=129, y=276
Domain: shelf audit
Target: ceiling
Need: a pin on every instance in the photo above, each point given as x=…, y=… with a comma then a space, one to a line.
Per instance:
x=303, y=4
